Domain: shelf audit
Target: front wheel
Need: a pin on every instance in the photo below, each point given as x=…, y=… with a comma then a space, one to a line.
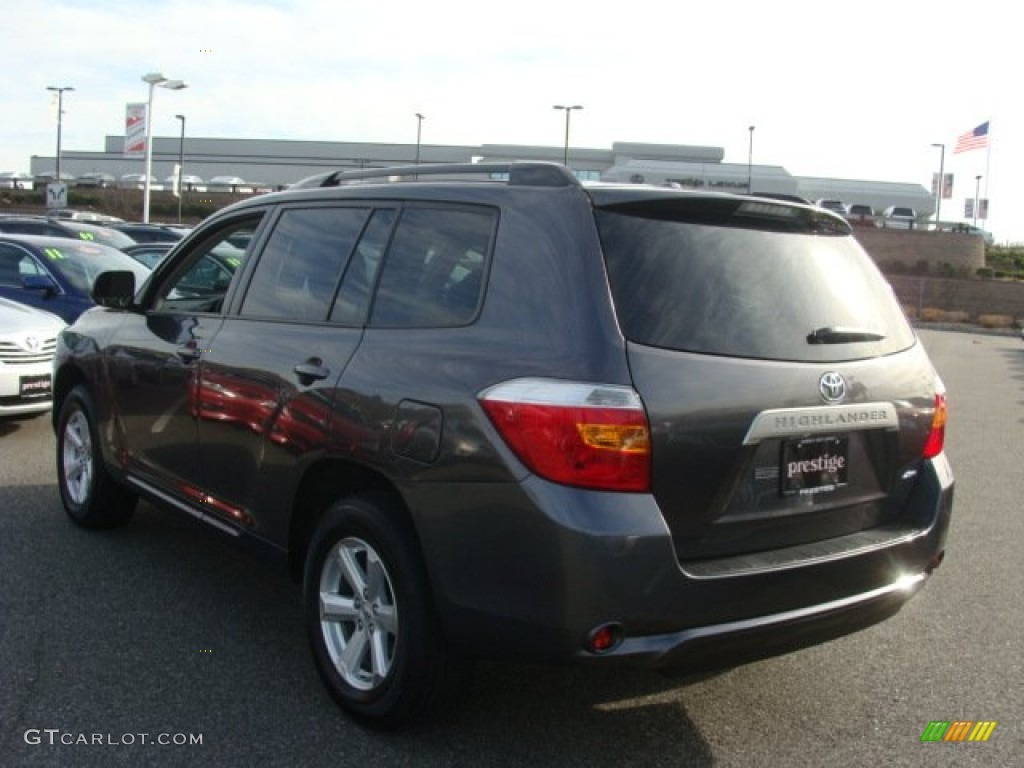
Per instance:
x=91, y=497
x=370, y=616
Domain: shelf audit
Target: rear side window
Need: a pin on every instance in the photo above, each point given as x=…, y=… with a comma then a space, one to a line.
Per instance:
x=744, y=291
x=433, y=273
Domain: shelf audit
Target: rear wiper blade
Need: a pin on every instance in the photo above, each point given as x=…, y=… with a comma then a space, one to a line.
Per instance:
x=830, y=335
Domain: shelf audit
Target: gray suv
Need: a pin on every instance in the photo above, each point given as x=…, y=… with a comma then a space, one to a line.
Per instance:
x=489, y=411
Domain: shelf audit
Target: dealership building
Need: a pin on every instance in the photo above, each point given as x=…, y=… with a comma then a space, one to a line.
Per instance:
x=264, y=163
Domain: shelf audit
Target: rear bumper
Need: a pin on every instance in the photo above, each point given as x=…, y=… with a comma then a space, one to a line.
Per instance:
x=530, y=570
x=739, y=642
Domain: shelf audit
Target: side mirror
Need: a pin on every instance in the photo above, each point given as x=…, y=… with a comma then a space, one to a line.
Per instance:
x=115, y=290
x=42, y=283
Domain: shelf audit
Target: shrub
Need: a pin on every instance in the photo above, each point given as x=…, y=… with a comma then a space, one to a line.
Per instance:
x=957, y=316
x=995, y=321
x=985, y=273
x=933, y=315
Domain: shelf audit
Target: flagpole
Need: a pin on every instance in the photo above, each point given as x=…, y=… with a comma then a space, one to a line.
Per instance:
x=988, y=157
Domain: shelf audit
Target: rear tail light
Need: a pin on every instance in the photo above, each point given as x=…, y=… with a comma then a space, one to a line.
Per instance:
x=937, y=434
x=584, y=435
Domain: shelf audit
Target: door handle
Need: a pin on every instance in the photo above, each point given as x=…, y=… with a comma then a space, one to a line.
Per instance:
x=189, y=352
x=311, y=370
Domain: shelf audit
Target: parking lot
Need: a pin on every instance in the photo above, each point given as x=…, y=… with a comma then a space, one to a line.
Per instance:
x=156, y=629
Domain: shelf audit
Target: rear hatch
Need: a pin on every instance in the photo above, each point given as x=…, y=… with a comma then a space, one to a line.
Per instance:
x=789, y=401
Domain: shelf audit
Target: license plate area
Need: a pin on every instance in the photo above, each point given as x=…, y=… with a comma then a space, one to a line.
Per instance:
x=814, y=465
x=34, y=386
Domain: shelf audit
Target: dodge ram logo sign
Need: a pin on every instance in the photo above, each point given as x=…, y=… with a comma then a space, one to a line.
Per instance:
x=832, y=387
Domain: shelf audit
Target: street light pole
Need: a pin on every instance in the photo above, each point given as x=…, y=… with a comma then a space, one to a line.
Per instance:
x=59, y=90
x=419, y=128
x=568, y=110
x=940, y=187
x=181, y=164
x=154, y=79
x=750, y=162
x=977, y=187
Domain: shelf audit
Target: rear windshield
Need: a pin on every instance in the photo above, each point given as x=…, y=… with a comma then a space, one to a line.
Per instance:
x=683, y=280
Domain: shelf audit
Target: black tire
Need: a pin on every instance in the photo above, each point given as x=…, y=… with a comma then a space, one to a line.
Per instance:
x=91, y=497
x=394, y=616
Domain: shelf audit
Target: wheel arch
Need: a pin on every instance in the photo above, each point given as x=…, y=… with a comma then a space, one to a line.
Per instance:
x=322, y=484
x=66, y=378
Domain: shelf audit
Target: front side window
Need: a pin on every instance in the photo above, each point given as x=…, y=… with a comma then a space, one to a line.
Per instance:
x=15, y=264
x=199, y=280
x=433, y=274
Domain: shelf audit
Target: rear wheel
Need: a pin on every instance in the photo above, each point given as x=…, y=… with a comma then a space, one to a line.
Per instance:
x=370, y=615
x=91, y=497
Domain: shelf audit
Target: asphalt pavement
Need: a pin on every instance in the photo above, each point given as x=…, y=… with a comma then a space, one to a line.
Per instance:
x=112, y=643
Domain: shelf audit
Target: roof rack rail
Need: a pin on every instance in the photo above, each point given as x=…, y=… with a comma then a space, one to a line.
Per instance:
x=514, y=174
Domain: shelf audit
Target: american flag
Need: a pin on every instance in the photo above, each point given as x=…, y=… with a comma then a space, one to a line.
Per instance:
x=975, y=139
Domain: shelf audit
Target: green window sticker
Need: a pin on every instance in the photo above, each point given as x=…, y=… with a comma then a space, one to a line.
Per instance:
x=54, y=253
x=87, y=235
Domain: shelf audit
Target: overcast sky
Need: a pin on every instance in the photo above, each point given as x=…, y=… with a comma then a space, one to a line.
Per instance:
x=855, y=90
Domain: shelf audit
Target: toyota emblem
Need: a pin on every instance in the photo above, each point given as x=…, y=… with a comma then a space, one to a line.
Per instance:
x=31, y=343
x=832, y=387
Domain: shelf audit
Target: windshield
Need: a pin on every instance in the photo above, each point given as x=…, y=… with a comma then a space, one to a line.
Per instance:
x=98, y=234
x=729, y=288
x=80, y=263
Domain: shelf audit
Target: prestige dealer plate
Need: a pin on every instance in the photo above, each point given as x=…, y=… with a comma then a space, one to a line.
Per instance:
x=814, y=465
x=34, y=386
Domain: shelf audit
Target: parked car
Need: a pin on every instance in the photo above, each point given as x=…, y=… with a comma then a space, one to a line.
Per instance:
x=860, y=212
x=985, y=235
x=898, y=217
x=190, y=183
x=136, y=181
x=76, y=215
x=97, y=179
x=33, y=225
x=229, y=184
x=492, y=410
x=782, y=196
x=56, y=274
x=836, y=206
x=45, y=177
x=148, y=254
x=74, y=228
x=15, y=180
x=28, y=339
x=152, y=233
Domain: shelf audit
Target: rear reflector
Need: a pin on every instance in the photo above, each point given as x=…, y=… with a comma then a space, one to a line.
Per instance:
x=584, y=435
x=937, y=435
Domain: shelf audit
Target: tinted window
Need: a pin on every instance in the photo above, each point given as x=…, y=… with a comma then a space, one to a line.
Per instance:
x=300, y=266
x=745, y=292
x=434, y=270
x=361, y=272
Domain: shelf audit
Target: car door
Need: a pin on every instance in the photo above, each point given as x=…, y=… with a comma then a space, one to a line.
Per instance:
x=18, y=263
x=269, y=376
x=154, y=357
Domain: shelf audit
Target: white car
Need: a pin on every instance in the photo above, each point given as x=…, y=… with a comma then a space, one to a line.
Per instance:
x=898, y=217
x=28, y=340
x=14, y=180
